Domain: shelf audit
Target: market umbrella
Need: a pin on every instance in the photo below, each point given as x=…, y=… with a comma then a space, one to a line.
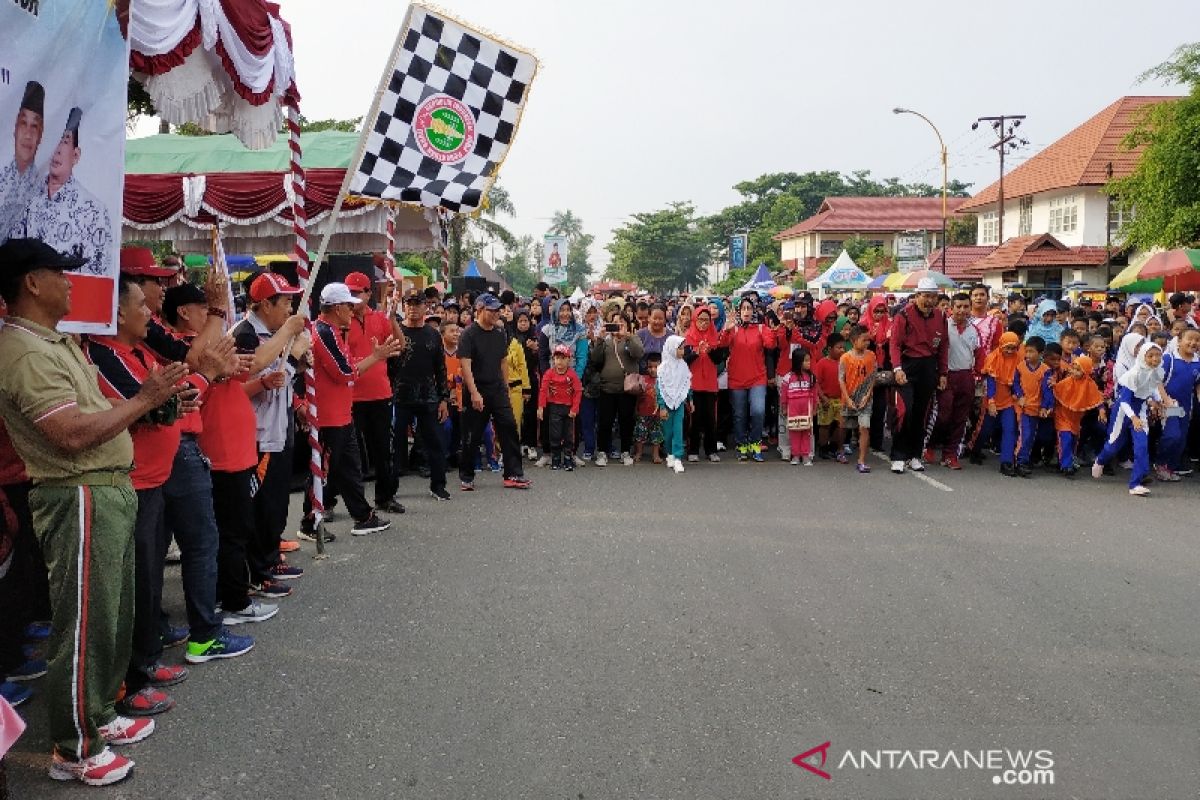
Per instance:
x=1127, y=280
x=1178, y=269
x=877, y=282
x=782, y=291
x=907, y=281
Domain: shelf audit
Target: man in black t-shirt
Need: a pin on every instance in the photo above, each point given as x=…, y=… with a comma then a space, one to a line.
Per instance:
x=421, y=393
x=482, y=352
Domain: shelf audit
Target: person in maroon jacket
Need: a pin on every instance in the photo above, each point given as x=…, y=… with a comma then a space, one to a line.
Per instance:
x=919, y=352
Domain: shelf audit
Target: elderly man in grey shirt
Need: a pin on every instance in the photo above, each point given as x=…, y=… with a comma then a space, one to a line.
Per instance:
x=954, y=401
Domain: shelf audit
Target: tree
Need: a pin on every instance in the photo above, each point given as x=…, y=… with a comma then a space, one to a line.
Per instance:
x=1162, y=190
x=777, y=201
x=962, y=229
x=665, y=250
x=518, y=266
x=469, y=233
x=313, y=126
x=732, y=281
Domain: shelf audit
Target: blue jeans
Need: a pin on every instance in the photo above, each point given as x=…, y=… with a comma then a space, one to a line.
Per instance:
x=752, y=401
x=189, y=514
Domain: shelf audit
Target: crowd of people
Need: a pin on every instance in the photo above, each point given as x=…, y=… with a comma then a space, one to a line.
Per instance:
x=188, y=424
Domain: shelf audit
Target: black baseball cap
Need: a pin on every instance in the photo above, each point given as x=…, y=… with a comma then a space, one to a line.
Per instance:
x=19, y=256
x=184, y=294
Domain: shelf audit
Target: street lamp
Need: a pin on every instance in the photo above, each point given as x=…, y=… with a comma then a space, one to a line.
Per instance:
x=942, y=145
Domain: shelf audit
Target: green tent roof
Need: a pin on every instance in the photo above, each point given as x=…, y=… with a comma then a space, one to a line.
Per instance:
x=174, y=154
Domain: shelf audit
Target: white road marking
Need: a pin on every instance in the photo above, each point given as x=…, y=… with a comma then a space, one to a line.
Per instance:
x=921, y=476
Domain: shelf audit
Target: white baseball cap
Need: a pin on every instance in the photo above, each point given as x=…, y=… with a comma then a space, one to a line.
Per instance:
x=923, y=285
x=335, y=294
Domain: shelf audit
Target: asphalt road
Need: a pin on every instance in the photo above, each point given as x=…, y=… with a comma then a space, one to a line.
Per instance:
x=628, y=633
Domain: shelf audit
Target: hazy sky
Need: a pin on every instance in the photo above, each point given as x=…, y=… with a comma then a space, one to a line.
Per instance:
x=641, y=103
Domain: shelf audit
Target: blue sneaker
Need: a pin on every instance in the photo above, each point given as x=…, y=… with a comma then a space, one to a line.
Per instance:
x=34, y=668
x=493, y=465
x=226, y=645
x=173, y=637
x=757, y=456
x=15, y=693
x=37, y=631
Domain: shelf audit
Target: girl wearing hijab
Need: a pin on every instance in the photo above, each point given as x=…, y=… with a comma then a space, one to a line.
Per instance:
x=1000, y=371
x=561, y=329
x=673, y=390
x=683, y=320
x=748, y=340
x=1128, y=423
x=1074, y=395
x=525, y=336
x=1045, y=322
x=702, y=353
x=880, y=325
x=1127, y=355
x=519, y=386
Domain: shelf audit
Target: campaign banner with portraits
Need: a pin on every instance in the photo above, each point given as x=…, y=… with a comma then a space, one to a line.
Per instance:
x=554, y=259
x=64, y=69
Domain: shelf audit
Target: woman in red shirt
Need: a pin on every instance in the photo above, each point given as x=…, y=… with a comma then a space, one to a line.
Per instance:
x=703, y=353
x=747, y=339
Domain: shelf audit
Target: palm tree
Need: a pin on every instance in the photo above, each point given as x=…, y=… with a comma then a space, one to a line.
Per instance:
x=469, y=232
x=565, y=223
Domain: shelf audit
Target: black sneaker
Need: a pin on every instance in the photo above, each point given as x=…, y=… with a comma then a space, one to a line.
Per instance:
x=569, y=463
x=1024, y=471
x=556, y=463
x=270, y=589
x=440, y=494
x=390, y=507
x=307, y=534
x=1007, y=471
x=372, y=524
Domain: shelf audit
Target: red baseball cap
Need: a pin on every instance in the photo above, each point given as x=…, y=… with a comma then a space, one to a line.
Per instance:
x=269, y=284
x=140, y=261
x=357, y=282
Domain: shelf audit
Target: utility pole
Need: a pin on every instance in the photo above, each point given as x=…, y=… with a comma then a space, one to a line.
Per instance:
x=1005, y=127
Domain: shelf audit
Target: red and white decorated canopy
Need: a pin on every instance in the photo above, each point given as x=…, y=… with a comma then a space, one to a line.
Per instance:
x=224, y=64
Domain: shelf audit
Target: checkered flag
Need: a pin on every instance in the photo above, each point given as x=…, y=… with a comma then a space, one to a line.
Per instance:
x=448, y=107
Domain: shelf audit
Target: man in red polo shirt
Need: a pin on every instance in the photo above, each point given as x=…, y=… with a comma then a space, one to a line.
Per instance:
x=138, y=264
x=373, y=390
x=123, y=364
x=920, y=351
x=336, y=371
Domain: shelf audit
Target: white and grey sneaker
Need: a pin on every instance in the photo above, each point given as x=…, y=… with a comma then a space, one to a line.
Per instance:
x=898, y=467
x=601, y=460
x=627, y=459
x=544, y=461
x=714, y=458
x=257, y=611
x=1140, y=491
x=915, y=465
x=678, y=467
x=693, y=458
x=372, y=524
x=670, y=461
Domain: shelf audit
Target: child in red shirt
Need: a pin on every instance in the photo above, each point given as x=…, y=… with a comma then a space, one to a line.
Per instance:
x=829, y=409
x=559, y=395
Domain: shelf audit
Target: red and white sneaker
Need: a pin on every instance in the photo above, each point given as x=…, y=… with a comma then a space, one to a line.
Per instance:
x=102, y=769
x=124, y=730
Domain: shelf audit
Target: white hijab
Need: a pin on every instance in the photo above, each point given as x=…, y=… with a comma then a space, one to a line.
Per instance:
x=1127, y=354
x=1143, y=379
x=674, y=375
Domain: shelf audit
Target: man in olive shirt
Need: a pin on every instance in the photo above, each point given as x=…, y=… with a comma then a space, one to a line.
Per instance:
x=77, y=452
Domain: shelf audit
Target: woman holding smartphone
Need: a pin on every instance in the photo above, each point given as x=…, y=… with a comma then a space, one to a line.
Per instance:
x=612, y=358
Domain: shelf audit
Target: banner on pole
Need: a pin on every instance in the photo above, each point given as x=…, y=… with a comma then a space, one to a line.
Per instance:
x=449, y=105
x=64, y=68
x=737, y=251
x=554, y=259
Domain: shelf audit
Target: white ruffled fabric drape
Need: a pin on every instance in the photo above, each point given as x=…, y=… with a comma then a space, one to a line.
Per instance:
x=199, y=90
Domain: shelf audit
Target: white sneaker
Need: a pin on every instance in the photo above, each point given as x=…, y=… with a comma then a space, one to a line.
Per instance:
x=1140, y=491
x=714, y=458
x=898, y=467
x=1165, y=475
x=544, y=461
x=123, y=730
x=627, y=459
x=795, y=462
x=601, y=460
x=670, y=462
x=808, y=461
x=915, y=465
x=678, y=467
x=693, y=459
x=720, y=446
x=102, y=769
x=1097, y=471
x=257, y=611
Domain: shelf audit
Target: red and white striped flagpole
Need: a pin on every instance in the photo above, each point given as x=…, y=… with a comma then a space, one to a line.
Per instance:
x=300, y=228
x=389, y=254
x=444, y=237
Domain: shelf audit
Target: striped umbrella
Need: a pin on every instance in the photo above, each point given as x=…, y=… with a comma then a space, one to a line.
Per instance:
x=877, y=282
x=1178, y=270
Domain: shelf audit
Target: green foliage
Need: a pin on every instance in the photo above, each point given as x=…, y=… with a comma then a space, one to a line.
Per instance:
x=469, y=233
x=160, y=247
x=139, y=102
x=313, y=126
x=733, y=280
x=420, y=263
x=962, y=229
x=777, y=201
x=519, y=266
x=1163, y=190
x=191, y=129
x=663, y=251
